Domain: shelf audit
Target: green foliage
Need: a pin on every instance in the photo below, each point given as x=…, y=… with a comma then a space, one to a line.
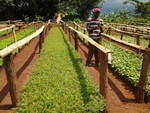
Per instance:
x=59, y=82
x=77, y=20
x=116, y=16
x=46, y=9
x=142, y=8
x=38, y=18
x=139, y=20
x=10, y=40
x=127, y=64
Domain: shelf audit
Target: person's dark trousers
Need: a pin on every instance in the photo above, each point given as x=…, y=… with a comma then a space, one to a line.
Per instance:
x=93, y=51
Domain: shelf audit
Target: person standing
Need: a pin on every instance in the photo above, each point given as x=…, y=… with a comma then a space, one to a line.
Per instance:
x=94, y=27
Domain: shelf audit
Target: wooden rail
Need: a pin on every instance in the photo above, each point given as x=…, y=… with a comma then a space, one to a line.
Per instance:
x=133, y=47
x=7, y=28
x=104, y=54
x=136, y=35
x=6, y=54
x=145, y=65
x=133, y=28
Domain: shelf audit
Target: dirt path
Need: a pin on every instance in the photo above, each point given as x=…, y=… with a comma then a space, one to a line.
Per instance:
x=24, y=61
x=121, y=98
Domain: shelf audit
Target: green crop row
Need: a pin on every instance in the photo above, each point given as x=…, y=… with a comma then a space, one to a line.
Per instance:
x=10, y=40
x=7, y=31
x=126, y=63
x=59, y=82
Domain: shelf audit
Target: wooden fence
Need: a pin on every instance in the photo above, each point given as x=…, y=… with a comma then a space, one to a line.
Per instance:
x=133, y=28
x=13, y=30
x=136, y=35
x=6, y=54
x=141, y=89
x=104, y=56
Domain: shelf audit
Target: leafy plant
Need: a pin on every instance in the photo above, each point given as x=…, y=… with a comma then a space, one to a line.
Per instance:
x=59, y=82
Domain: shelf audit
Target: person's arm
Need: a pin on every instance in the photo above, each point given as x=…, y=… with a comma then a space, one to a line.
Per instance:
x=90, y=29
x=101, y=28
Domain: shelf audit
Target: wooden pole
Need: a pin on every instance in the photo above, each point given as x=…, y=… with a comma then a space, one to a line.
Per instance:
x=138, y=40
x=103, y=74
x=84, y=33
x=11, y=78
x=41, y=41
x=14, y=34
x=76, y=41
x=109, y=30
x=121, y=36
x=69, y=33
x=143, y=77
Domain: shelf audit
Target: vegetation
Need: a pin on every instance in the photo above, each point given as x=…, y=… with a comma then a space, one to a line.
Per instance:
x=142, y=10
x=45, y=9
x=143, y=42
x=127, y=64
x=59, y=82
x=7, y=32
x=10, y=40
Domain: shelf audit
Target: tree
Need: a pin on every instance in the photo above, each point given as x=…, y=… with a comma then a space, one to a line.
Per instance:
x=46, y=9
x=141, y=8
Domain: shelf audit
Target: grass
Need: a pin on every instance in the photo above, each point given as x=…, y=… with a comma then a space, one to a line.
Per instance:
x=59, y=82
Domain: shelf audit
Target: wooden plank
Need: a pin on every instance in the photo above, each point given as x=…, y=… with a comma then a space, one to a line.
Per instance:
x=7, y=28
x=20, y=43
x=100, y=47
x=129, y=45
x=143, y=77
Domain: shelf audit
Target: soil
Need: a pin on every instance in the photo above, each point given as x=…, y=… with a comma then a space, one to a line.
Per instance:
x=121, y=99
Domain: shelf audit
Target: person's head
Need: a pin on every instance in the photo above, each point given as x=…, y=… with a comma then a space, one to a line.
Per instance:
x=96, y=12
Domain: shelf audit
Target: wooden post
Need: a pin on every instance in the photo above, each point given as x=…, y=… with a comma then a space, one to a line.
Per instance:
x=103, y=74
x=121, y=36
x=84, y=33
x=143, y=77
x=11, y=78
x=67, y=29
x=14, y=34
x=76, y=41
x=138, y=40
x=109, y=30
x=41, y=41
x=69, y=33
x=77, y=27
x=149, y=44
x=74, y=26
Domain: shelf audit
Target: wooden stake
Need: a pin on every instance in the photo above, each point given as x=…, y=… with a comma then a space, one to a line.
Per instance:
x=143, y=77
x=15, y=39
x=11, y=78
x=76, y=41
x=138, y=40
x=103, y=74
